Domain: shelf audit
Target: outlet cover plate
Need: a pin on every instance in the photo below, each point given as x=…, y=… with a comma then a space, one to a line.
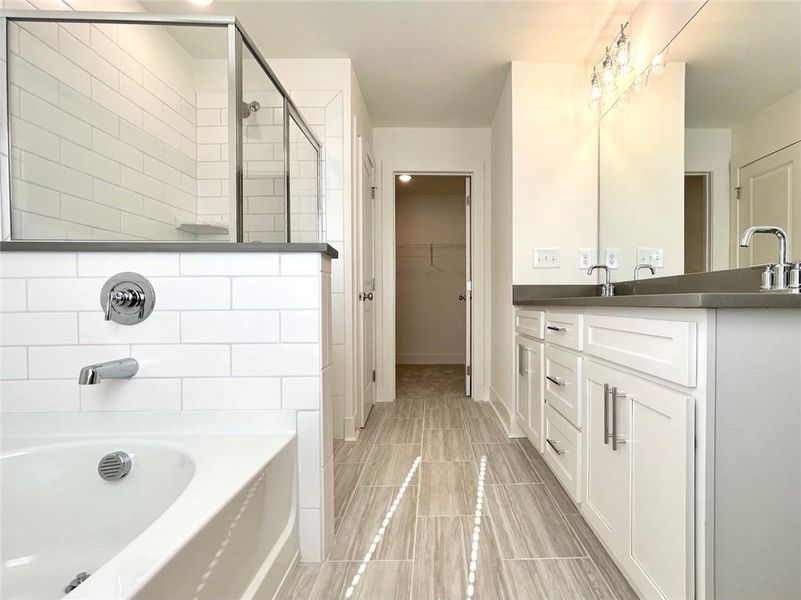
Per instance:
x=651, y=256
x=585, y=259
x=612, y=258
x=545, y=258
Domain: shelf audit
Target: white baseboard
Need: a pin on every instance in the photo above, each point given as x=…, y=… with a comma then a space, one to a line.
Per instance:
x=511, y=428
x=350, y=429
x=410, y=358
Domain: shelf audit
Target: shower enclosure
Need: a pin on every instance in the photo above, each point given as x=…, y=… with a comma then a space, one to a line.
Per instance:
x=143, y=127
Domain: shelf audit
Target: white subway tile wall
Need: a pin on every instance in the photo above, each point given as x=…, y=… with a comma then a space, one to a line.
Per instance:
x=103, y=130
x=230, y=331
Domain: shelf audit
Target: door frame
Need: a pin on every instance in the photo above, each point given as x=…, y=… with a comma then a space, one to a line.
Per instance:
x=364, y=153
x=388, y=287
x=710, y=214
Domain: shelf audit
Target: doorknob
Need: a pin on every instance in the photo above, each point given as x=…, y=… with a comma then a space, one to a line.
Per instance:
x=462, y=297
x=363, y=296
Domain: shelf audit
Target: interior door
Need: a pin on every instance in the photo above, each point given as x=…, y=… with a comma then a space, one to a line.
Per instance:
x=770, y=194
x=366, y=294
x=468, y=295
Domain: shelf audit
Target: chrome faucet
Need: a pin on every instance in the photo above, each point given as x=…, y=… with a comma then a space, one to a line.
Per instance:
x=607, y=288
x=643, y=266
x=124, y=368
x=775, y=277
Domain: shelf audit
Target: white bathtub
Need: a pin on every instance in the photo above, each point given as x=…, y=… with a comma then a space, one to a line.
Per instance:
x=200, y=515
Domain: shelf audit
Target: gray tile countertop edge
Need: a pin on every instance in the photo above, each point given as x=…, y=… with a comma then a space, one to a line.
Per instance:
x=79, y=246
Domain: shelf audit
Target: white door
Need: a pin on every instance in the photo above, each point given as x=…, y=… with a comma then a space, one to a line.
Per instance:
x=770, y=194
x=468, y=295
x=522, y=400
x=366, y=294
x=535, y=405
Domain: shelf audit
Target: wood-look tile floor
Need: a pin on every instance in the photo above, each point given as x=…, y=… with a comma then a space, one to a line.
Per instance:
x=533, y=542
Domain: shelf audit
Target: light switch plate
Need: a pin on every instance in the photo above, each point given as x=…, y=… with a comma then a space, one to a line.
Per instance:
x=651, y=256
x=584, y=259
x=545, y=258
x=612, y=258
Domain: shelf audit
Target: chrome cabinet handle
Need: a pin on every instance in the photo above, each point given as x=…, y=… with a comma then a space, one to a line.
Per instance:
x=553, y=446
x=462, y=298
x=606, y=413
x=554, y=380
x=554, y=328
x=615, y=395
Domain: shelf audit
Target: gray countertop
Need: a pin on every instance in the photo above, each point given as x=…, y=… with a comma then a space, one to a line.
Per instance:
x=81, y=246
x=734, y=288
x=682, y=300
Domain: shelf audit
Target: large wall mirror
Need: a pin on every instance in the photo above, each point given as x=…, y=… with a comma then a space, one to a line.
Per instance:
x=707, y=144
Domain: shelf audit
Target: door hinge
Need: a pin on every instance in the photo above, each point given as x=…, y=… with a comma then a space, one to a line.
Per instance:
x=737, y=190
x=372, y=192
x=373, y=375
x=469, y=370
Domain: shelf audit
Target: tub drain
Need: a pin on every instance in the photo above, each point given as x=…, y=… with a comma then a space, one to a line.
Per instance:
x=114, y=466
x=77, y=580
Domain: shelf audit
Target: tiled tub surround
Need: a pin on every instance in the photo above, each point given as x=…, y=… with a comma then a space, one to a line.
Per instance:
x=230, y=331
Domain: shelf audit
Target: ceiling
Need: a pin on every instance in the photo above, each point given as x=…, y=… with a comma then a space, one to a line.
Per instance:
x=741, y=57
x=437, y=63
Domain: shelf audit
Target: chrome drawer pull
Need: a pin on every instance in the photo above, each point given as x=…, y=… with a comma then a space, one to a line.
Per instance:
x=555, y=449
x=606, y=413
x=615, y=395
x=554, y=328
x=554, y=380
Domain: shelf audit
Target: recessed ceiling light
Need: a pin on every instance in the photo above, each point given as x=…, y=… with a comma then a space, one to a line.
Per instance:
x=201, y=2
x=405, y=178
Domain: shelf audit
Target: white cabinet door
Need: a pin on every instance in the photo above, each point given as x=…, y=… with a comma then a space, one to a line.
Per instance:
x=521, y=399
x=640, y=483
x=535, y=394
x=606, y=484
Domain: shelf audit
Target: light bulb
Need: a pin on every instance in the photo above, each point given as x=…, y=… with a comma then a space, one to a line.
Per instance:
x=595, y=86
x=658, y=63
x=622, y=46
x=405, y=178
x=608, y=69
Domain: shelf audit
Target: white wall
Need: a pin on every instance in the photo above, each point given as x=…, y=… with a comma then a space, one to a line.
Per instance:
x=555, y=156
x=432, y=150
x=709, y=151
x=430, y=322
x=771, y=129
x=641, y=180
x=502, y=313
x=230, y=331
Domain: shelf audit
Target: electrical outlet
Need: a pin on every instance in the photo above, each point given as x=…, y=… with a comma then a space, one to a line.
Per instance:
x=584, y=259
x=651, y=256
x=612, y=258
x=545, y=258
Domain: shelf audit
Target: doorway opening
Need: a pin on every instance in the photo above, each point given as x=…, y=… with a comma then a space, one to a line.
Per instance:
x=432, y=284
x=697, y=222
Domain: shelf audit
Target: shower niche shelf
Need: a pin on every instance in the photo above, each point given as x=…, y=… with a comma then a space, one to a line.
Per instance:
x=200, y=228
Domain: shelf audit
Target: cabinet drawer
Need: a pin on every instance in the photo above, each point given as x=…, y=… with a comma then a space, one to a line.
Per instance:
x=529, y=321
x=563, y=383
x=564, y=328
x=563, y=451
x=665, y=349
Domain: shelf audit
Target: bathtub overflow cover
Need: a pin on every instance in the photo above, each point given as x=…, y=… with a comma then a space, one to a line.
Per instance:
x=114, y=466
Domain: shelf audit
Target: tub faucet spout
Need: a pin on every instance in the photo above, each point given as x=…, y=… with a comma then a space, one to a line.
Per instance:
x=124, y=368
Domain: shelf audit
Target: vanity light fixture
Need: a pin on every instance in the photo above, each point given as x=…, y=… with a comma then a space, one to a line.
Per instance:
x=616, y=62
x=405, y=178
x=623, y=51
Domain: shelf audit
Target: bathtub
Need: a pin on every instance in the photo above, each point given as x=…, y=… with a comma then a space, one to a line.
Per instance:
x=199, y=516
